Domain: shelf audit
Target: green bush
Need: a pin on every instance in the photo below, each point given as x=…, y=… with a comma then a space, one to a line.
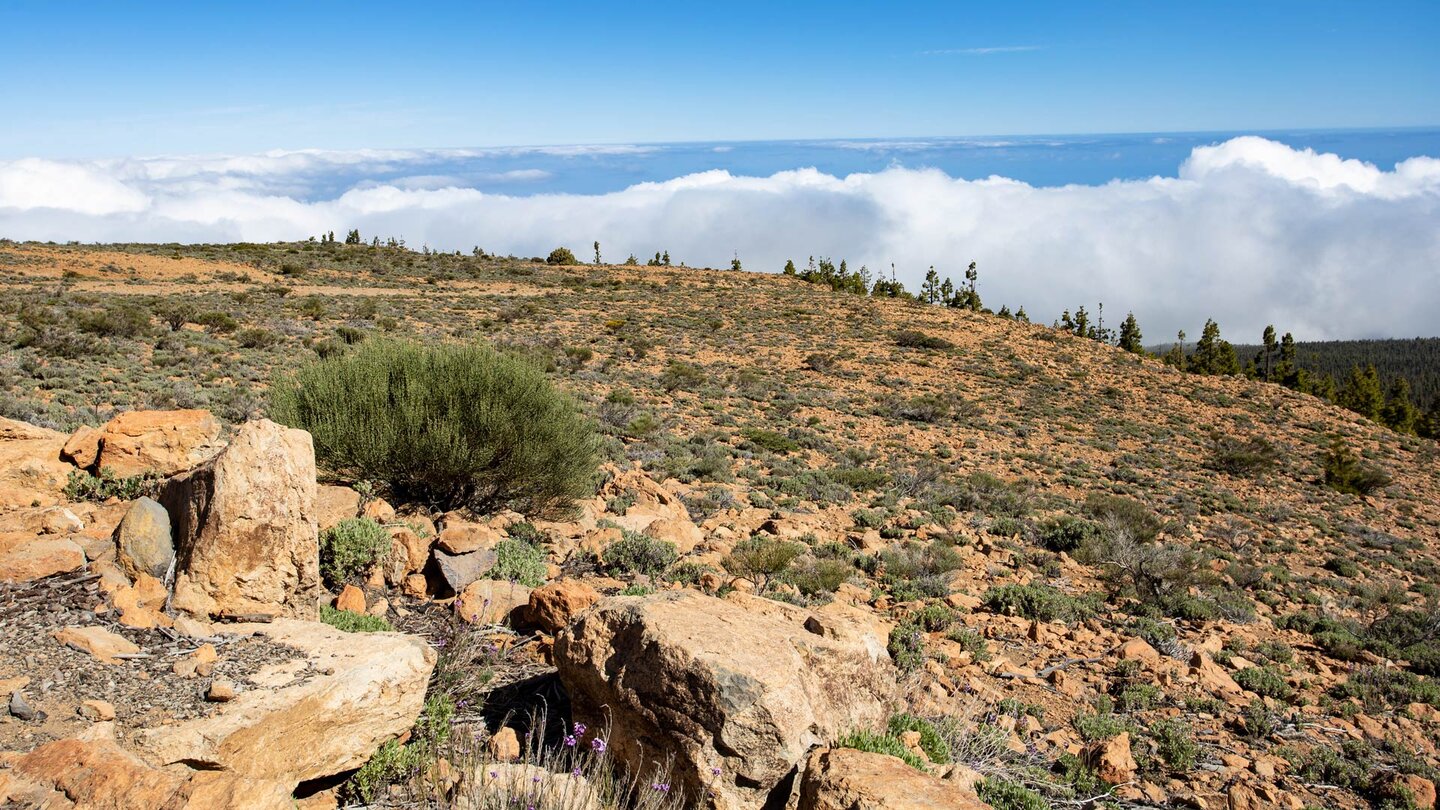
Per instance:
x=1252, y=456
x=1065, y=533
x=907, y=646
x=1001, y=794
x=82, y=486
x=1040, y=602
x=1176, y=743
x=915, y=339
x=759, y=559
x=448, y=426
x=770, y=440
x=351, y=547
x=874, y=743
x=936, y=749
x=561, y=255
x=1346, y=473
x=637, y=554
x=519, y=561
x=819, y=576
x=1264, y=681
x=681, y=376
x=352, y=622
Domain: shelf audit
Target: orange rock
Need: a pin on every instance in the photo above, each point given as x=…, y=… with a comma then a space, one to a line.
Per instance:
x=489, y=601
x=25, y=557
x=554, y=605
x=83, y=447
x=352, y=599
x=164, y=442
x=841, y=778
x=1137, y=649
x=31, y=470
x=1111, y=759
x=505, y=745
x=97, y=641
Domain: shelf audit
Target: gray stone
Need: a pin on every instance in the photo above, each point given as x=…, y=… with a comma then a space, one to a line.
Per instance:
x=459, y=570
x=143, y=540
x=22, y=710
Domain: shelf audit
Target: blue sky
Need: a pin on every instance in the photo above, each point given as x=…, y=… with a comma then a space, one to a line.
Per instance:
x=101, y=79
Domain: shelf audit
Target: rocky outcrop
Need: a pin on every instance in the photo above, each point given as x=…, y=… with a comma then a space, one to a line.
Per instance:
x=31, y=470
x=245, y=528
x=554, y=605
x=97, y=773
x=845, y=779
x=355, y=691
x=143, y=540
x=136, y=442
x=737, y=686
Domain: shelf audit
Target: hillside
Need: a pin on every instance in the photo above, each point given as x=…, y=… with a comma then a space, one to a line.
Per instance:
x=1414, y=359
x=1024, y=502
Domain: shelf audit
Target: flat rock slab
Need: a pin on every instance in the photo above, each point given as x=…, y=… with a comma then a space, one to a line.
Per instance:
x=365, y=689
x=25, y=558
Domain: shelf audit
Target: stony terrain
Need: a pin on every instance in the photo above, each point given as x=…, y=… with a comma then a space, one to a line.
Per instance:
x=1032, y=570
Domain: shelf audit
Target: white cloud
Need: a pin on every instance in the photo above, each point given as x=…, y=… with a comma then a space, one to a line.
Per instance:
x=1250, y=232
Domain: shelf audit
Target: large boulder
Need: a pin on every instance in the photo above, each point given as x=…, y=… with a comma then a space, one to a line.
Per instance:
x=97, y=773
x=734, y=686
x=143, y=540
x=244, y=524
x=31, y=470
x=845, y=779
x=163, y=442
x=355, y=692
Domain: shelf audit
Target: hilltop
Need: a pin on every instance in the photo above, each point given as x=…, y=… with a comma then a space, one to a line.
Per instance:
x=1080, y=544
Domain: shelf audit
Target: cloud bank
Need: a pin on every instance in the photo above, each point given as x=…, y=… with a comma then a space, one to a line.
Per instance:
x=1249, y=232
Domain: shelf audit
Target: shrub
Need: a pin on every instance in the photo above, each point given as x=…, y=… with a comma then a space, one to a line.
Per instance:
x=637, y=554
x=1251, y=456
x=1040, y=602
x=352, y=622
x=682, y=376
x=907, y=646
x=1067, y=533
x=445, y=425
x=769, y=440
x=1002, y=794
x=936, y=749
x=1176, y=743
x=82, y=486
x=971, y=641
x=874, y=743
x=915, y=339
x=1378, y=688
x=351, y=547
x=561, y=255
x=819, y=576
x=1264, y=681
x=1346, y=473
x=759, y=559
x=1119, y=514
x=256, y=338
x=518, y=561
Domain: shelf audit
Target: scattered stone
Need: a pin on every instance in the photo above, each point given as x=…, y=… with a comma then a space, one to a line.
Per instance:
x=1111, y=759
x=21, y=709
x=504, y=745
x=459, y=570
x=244, y=525
x=1137, y=649
x=490, y=601
x=97, y=641
x=846, y=779
x=351, y=598
x=97, y=710
x=143, y=540
x=463, y=537
x=220, y=692
x=555, y=605
x=142, y=604
x=25, y=557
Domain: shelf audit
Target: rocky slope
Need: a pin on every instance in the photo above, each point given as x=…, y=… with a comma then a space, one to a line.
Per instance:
x=1032, y=570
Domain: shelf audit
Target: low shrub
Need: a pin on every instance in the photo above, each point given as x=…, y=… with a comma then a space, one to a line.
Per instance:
x=352, y=622
x=350, y=548
x=1344, y=472
x=448, y=426
x=760, y=559
x=635, y=553
x=874, y=743
x=936, y=749
x=915, y=339
x=1040, y=602
x=562, y=256
x=519, y=561
x=1252, y=456
x=769, y=440
x=82, y=486
x=1002, y=794
x=1066, y=533
x=1175, y=742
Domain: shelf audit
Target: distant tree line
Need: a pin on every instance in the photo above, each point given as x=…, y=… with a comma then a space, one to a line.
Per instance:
x=934, y=290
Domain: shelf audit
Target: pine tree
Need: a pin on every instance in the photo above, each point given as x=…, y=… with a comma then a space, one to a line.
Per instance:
x=947, y=292
x=1176, y=356
x=1286, y=372
x=1266, y=366
x=735, y=263
x=1213, y=355
x=1005, y=312
x=789, y=267
x=665, y=258
x=1361, y=393
x=1399, y=413
x=1021, y=316
x=1130, y=338
x=972, y=276
x=597, y=251
x=930, y=290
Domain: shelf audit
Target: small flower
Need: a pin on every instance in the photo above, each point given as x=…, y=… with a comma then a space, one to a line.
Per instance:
x=575, y=772
x=494, y=774
x=714, y=771
x=597, y=745
x=577, y=729
x=570, y=741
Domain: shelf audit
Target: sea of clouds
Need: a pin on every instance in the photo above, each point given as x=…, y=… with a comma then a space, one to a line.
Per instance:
x=1249, y=231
